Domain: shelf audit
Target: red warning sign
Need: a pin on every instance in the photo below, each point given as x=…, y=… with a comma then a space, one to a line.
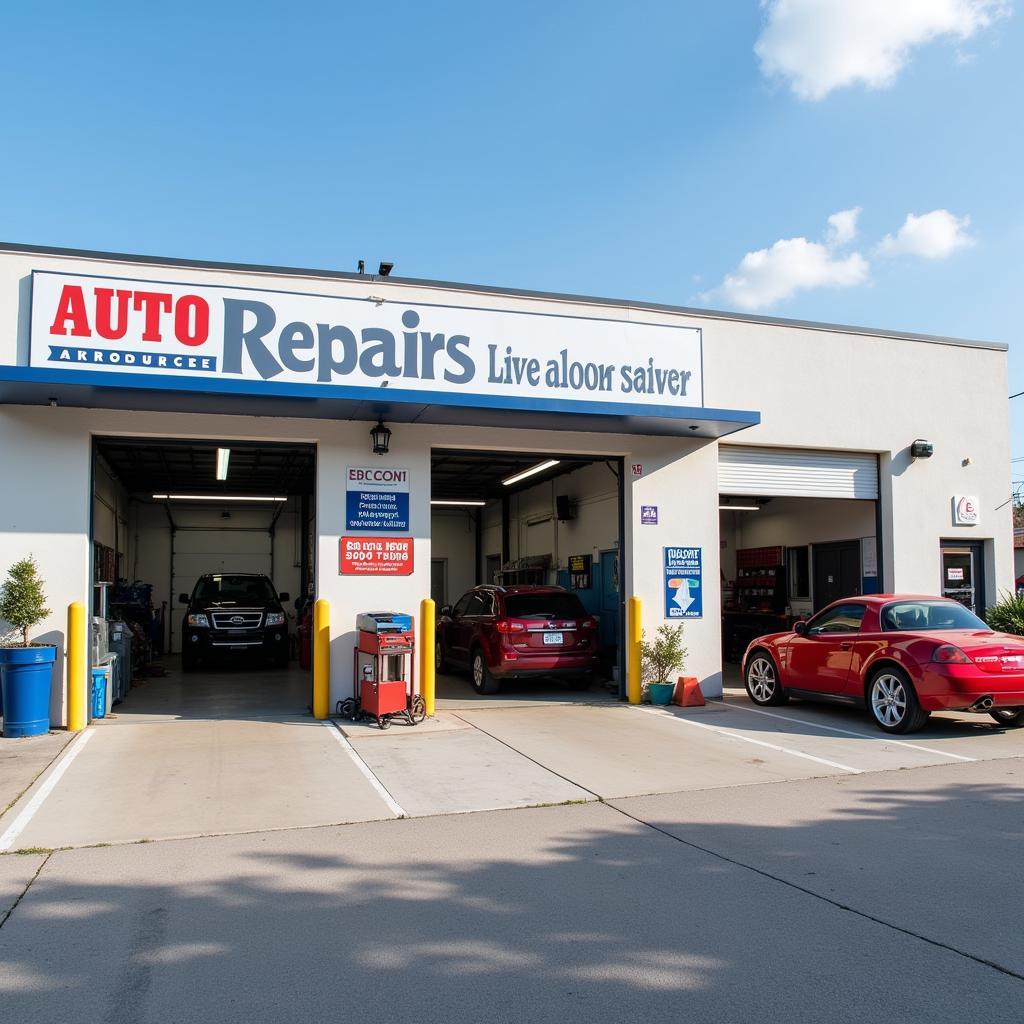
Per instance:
x=373, y=556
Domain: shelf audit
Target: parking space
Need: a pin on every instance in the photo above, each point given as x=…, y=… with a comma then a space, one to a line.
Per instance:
x=206, y=756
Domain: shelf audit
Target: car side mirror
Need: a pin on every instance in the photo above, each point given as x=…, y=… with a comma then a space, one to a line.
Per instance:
x=183, y=598
x=446, y=611
x=800, y=627
x=284, y=597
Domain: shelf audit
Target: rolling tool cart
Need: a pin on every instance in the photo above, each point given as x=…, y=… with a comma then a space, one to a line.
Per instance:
x=384, y=671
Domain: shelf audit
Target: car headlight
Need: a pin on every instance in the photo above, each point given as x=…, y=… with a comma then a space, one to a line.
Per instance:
x=199, y=620
x=275, y=618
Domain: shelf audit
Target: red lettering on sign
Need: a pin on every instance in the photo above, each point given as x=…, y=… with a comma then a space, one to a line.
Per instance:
x=191, y=320
x=154, y=303
x=71, y=307
x=105, y=328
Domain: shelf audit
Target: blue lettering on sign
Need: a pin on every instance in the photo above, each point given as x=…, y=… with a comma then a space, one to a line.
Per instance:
x=136, y=360
x=380, y=511
x=684, y=584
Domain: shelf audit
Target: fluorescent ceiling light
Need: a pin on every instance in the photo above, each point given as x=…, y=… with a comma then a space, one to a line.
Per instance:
x=539, y=468
x=216, y=497
x=739, y=508
x=223, y=455
x=447, y=501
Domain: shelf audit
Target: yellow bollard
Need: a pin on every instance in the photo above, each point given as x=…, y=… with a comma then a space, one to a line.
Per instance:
x=321, y=658
x=426, y=665
x=77, y=699
x=634, y=633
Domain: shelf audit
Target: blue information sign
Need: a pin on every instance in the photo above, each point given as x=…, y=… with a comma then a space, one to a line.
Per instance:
x=380, y=511
x=684, y=585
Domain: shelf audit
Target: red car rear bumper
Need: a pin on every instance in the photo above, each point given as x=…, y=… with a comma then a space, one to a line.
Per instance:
x=957, y=687
x=545, y=665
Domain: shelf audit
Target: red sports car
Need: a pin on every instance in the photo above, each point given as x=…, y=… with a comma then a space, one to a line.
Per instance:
x=902, y=656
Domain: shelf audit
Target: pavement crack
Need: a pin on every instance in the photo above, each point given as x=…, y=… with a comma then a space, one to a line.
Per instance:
x=24, y=892
x=994, y=965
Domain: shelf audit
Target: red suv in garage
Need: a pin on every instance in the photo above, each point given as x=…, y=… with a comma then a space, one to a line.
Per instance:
x=517, y=632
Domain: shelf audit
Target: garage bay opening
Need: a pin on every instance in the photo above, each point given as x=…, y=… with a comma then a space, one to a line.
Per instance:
x=525, y=573
x=203, y=568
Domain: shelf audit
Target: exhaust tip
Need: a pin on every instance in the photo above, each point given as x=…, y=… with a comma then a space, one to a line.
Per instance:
x=983, y=703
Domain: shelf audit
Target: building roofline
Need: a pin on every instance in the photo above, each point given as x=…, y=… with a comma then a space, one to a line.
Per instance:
x=341, y=275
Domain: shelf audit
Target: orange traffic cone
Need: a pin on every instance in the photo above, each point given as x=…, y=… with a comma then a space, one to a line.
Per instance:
x=687, y=693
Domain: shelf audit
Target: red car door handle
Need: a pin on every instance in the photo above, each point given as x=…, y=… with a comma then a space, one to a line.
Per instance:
x=845, y=646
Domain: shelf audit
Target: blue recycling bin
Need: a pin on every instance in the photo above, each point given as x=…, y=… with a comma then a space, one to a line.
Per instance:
x=26, y=675
x=100, y=678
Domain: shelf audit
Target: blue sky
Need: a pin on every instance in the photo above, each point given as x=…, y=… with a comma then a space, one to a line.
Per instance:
x=630, y=150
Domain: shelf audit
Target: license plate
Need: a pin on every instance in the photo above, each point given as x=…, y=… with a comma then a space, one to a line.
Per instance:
x=552, y=638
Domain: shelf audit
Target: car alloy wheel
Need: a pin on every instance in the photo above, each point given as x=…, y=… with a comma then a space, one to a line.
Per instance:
x=438, y=658
x=483, y=681
x=894, y=703
x=889, y=700
x=762, y=681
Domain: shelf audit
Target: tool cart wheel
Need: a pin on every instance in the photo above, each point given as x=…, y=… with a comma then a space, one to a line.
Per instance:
x=384, y=722
x=347, y=708
x=418, y=710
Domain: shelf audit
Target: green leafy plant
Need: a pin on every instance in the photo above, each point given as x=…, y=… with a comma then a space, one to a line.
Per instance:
x=22, y=601
x=664, y=657
x=1007, y=614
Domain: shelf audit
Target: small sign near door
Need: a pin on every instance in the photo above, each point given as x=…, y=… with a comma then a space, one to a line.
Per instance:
x=684, y=586
x=648, y=515
x=638, y=469
x=965, y=510
x=954, y=574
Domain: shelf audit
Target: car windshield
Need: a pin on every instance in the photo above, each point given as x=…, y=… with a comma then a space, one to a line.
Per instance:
x=544, y=606
x=918, y=616
x=237, y=590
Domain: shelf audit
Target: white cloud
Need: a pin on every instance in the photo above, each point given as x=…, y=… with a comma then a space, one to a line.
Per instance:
x=820, y=45
x=842, y=227
x=933, y=236
x=791, y=265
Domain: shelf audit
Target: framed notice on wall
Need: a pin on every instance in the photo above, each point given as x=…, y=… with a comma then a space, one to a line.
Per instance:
x=376, y=556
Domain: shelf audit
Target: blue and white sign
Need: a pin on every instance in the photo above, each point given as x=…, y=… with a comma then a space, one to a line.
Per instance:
x=319, y=342
x=648, y=515
x=684, y=584
x=377, y=499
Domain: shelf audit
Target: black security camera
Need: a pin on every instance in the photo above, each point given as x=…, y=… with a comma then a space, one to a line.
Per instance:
x=921, y=449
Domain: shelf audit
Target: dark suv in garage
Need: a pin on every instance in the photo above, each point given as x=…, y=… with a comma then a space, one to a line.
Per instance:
x=517, y=632
x=234, y=615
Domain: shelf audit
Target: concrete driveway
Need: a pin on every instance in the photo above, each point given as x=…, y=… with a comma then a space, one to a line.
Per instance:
x=222, y=753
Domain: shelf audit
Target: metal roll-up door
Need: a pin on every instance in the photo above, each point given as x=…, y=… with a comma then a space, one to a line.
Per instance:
x=796, y=473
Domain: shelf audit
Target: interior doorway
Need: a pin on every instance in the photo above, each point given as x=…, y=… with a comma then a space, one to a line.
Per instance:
x=837, y=572
x=963, y=574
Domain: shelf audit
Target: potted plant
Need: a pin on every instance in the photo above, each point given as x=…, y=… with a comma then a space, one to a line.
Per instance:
x=660, y=660
x=26, y=669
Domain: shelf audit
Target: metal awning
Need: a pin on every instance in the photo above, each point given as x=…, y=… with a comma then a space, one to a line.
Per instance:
x=23, y=385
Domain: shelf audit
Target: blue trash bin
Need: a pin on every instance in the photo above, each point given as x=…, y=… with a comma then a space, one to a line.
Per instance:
x=100, y=678
x=26, y=675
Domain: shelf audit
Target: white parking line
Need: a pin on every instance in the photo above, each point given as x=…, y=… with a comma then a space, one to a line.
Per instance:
x=747, y=739
x=393, y=804
x=844, y=732
x=20, y=823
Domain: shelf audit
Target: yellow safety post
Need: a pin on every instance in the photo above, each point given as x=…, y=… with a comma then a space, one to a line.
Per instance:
x=426, y=666
x=321, y=658
x=77, y=702
x=634, y=633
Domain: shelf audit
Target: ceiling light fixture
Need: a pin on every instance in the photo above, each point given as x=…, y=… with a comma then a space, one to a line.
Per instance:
x=739, y=508
x=471, y=502
x=539, y=468
x=216, y=497
x=223, y=456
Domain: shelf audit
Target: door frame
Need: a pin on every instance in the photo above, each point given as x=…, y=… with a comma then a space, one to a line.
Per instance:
x=977, y=551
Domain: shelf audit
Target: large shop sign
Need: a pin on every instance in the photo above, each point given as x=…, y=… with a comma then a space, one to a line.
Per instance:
x=418, y=351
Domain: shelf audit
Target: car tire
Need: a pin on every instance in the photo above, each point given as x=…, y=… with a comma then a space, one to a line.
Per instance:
x=762, y=681
x=1010, y=718
x=483, y=682
x=892, y=702
x=440, y=665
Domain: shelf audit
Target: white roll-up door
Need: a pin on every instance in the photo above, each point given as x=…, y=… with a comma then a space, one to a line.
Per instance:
x=796, y=473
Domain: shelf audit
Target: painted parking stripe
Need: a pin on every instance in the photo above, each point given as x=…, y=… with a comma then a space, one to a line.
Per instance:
x=844, y=732
x=28, y=812
x=748, y=739
x=395, y=807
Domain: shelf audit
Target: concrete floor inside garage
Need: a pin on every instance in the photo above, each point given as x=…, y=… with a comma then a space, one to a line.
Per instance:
x=235, y=750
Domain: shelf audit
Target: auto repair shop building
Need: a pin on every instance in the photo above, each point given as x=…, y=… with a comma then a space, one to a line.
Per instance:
x=733, y=472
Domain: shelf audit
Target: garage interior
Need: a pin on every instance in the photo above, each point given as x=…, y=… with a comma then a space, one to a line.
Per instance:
x=165, y=512
x=798, y=530
x=509, y=518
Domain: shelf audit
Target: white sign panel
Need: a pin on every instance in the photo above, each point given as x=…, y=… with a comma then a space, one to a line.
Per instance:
x=965, y=510
x=419, y=352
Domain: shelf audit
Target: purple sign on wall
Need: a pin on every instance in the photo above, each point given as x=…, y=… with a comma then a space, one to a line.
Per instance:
x=649, y=515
